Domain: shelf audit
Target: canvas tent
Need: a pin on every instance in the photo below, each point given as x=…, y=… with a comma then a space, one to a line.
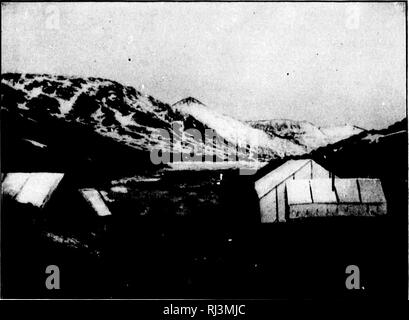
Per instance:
x=271, y=187
x=33, y=188
x=94, y=198
x=306, y=198
x=41, y=189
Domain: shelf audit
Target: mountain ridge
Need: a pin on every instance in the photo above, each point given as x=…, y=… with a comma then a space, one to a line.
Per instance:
x=129, y=117
x=125, y=115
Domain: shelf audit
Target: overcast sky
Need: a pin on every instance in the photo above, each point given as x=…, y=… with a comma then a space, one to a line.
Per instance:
x=326, y=63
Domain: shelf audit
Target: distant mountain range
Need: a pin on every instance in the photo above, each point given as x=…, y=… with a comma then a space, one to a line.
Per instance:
x=304, y=133
x=61, y=107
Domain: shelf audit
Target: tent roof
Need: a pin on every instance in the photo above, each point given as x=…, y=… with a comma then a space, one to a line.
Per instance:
x=94, y=198
x=298, y=192
x=34, y=188
x=322, y=192
x=13, y=183
x=371, y=191
x=346, y=191
x=277, y=176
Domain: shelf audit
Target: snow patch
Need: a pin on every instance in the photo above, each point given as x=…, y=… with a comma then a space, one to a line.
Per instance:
x=119, y=189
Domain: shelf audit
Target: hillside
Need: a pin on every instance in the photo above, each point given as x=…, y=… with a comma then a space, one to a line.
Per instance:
x=109, y=111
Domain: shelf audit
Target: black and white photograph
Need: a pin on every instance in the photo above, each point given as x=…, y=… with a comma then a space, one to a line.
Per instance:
x=175, y=151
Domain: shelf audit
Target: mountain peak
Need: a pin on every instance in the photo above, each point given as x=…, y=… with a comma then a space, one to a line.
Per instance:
x=189, y=100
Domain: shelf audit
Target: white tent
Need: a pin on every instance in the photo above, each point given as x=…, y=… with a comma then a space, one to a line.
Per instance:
x=96, y=201
x=33, y=188
x=271, y=187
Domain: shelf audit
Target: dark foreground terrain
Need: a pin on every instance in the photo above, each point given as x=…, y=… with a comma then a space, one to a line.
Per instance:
x=144, y=258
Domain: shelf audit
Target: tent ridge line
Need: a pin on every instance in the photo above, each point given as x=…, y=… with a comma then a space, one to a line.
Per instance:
x=278, y=184
x=22, y=186
x=51, y=191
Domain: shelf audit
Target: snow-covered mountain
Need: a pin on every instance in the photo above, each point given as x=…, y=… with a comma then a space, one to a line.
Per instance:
x=125, y=115
x=305, y=133
x=234, y=130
